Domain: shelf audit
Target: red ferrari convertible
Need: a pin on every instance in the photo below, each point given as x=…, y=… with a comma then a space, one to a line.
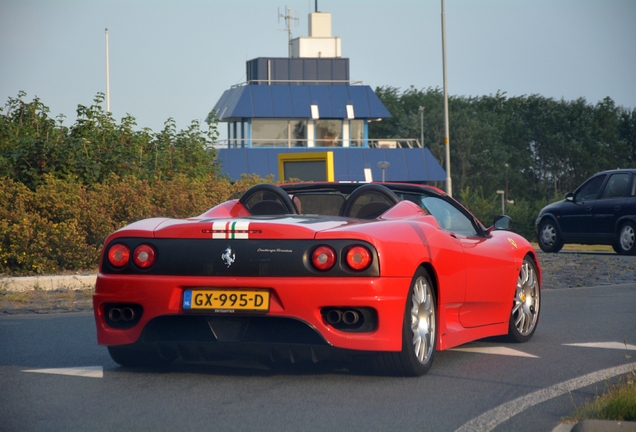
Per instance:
x=387, y=273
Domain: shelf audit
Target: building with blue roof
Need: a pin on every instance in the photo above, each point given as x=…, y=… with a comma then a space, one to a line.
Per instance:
x=307, y=103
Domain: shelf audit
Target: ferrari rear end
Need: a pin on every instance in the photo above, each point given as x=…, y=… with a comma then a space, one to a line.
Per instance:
x=202, y=289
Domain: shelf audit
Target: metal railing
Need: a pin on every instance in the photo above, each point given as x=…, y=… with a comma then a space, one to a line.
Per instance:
x=298, y=82
x=395, y=143
x=317, y=143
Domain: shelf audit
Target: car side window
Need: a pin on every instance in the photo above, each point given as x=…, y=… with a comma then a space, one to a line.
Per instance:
x=449, y=217
x=617, y=186
x=590, y=189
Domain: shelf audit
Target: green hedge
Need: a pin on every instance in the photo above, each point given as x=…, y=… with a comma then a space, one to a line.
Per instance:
x=62, y=224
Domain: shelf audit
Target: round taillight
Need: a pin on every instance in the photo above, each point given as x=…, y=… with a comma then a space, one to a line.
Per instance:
x=118, y=255
x=323, y=258
x=144, y=256
x=359, y=258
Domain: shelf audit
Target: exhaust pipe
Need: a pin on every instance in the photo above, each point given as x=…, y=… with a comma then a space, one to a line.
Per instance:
x=121, y=314
x=347, y=317
x=350, y=317
x=358, y=319
x=114, y=314
x=127, y=314
x=334, y=316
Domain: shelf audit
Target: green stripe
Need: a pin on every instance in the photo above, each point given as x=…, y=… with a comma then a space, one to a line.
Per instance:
x=232, y=229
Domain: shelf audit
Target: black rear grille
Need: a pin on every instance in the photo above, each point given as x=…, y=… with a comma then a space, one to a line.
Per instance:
x=234, y=329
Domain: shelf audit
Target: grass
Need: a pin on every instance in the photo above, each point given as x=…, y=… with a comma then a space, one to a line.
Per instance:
x=60, y=299
x=581, y=247
x=587, y=248
x=15, y=297
x=618, y=403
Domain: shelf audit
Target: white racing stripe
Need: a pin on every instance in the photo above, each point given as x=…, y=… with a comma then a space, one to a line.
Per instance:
x=88, y=371
x=493, y=418
x=232, y=229
x=496, y=350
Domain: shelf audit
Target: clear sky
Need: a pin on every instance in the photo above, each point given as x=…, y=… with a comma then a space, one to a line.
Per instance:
x=174, y=58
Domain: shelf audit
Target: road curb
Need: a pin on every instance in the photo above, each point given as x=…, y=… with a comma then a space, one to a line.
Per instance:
x=48, y=283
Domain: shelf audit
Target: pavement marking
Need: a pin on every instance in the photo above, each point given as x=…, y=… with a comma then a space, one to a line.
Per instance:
x=607, y=345
x=493, y=418
x=496, y=350
x=87, y=371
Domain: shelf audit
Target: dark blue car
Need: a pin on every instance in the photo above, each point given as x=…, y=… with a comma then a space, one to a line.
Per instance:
x=600, y=211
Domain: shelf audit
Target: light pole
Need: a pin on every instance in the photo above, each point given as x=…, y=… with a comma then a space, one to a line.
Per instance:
x=422, y=125
x=383, y=166
x=503, y=208
x=107, y=77
x=449, y=185
x=506, y=182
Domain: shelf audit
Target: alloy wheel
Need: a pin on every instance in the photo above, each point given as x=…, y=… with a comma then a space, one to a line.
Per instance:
x=525, y=311
x=423, y=320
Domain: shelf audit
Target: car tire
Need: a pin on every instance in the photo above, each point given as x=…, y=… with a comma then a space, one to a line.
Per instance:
x=419, y=331
x=626, y=241
x=526, y=303
x=549, y=237
x=128, y=356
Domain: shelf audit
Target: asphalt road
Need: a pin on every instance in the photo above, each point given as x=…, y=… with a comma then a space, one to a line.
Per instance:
x=463, y=391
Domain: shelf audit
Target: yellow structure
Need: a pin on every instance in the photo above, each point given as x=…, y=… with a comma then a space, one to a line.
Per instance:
x=306, y=166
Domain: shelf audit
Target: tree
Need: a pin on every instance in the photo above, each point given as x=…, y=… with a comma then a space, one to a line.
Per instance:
x=95, y=146
x=550, y=146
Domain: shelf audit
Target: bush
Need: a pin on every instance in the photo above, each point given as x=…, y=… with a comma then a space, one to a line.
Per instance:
x=65, y=189
x=32, y=145
x=34, y=245
x=62, y=224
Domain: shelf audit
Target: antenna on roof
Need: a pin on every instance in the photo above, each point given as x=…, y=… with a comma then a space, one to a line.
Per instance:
x=316, y=6
x=288, y=20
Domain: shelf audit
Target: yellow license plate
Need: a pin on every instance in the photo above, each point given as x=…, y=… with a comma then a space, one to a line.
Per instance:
x=226, y=300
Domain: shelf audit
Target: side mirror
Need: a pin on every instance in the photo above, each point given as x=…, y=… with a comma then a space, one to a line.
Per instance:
x=569, y=196
x=501, y=222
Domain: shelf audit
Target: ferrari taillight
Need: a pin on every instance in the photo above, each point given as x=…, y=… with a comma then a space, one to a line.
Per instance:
x=359, y=258
x=323, y=258
x=144, y=256
x=118, y=255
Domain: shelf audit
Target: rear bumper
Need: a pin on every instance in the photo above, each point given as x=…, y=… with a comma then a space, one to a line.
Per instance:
x=299, y=299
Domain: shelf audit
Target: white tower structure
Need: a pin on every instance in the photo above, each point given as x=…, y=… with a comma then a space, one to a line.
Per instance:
x=319, y=43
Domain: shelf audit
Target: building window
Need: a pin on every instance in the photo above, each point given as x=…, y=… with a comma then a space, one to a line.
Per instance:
x=328, y=133
x=236, y=133
x=269, y=133
x=356, y=133
x=298, y=129
x=279, y=133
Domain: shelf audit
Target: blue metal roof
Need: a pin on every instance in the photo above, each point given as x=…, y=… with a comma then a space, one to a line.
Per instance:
x=294, y=101
x=415, y=165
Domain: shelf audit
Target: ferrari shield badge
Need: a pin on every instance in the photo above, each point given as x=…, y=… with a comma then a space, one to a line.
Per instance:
x=512, y=242
x=228, y=257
